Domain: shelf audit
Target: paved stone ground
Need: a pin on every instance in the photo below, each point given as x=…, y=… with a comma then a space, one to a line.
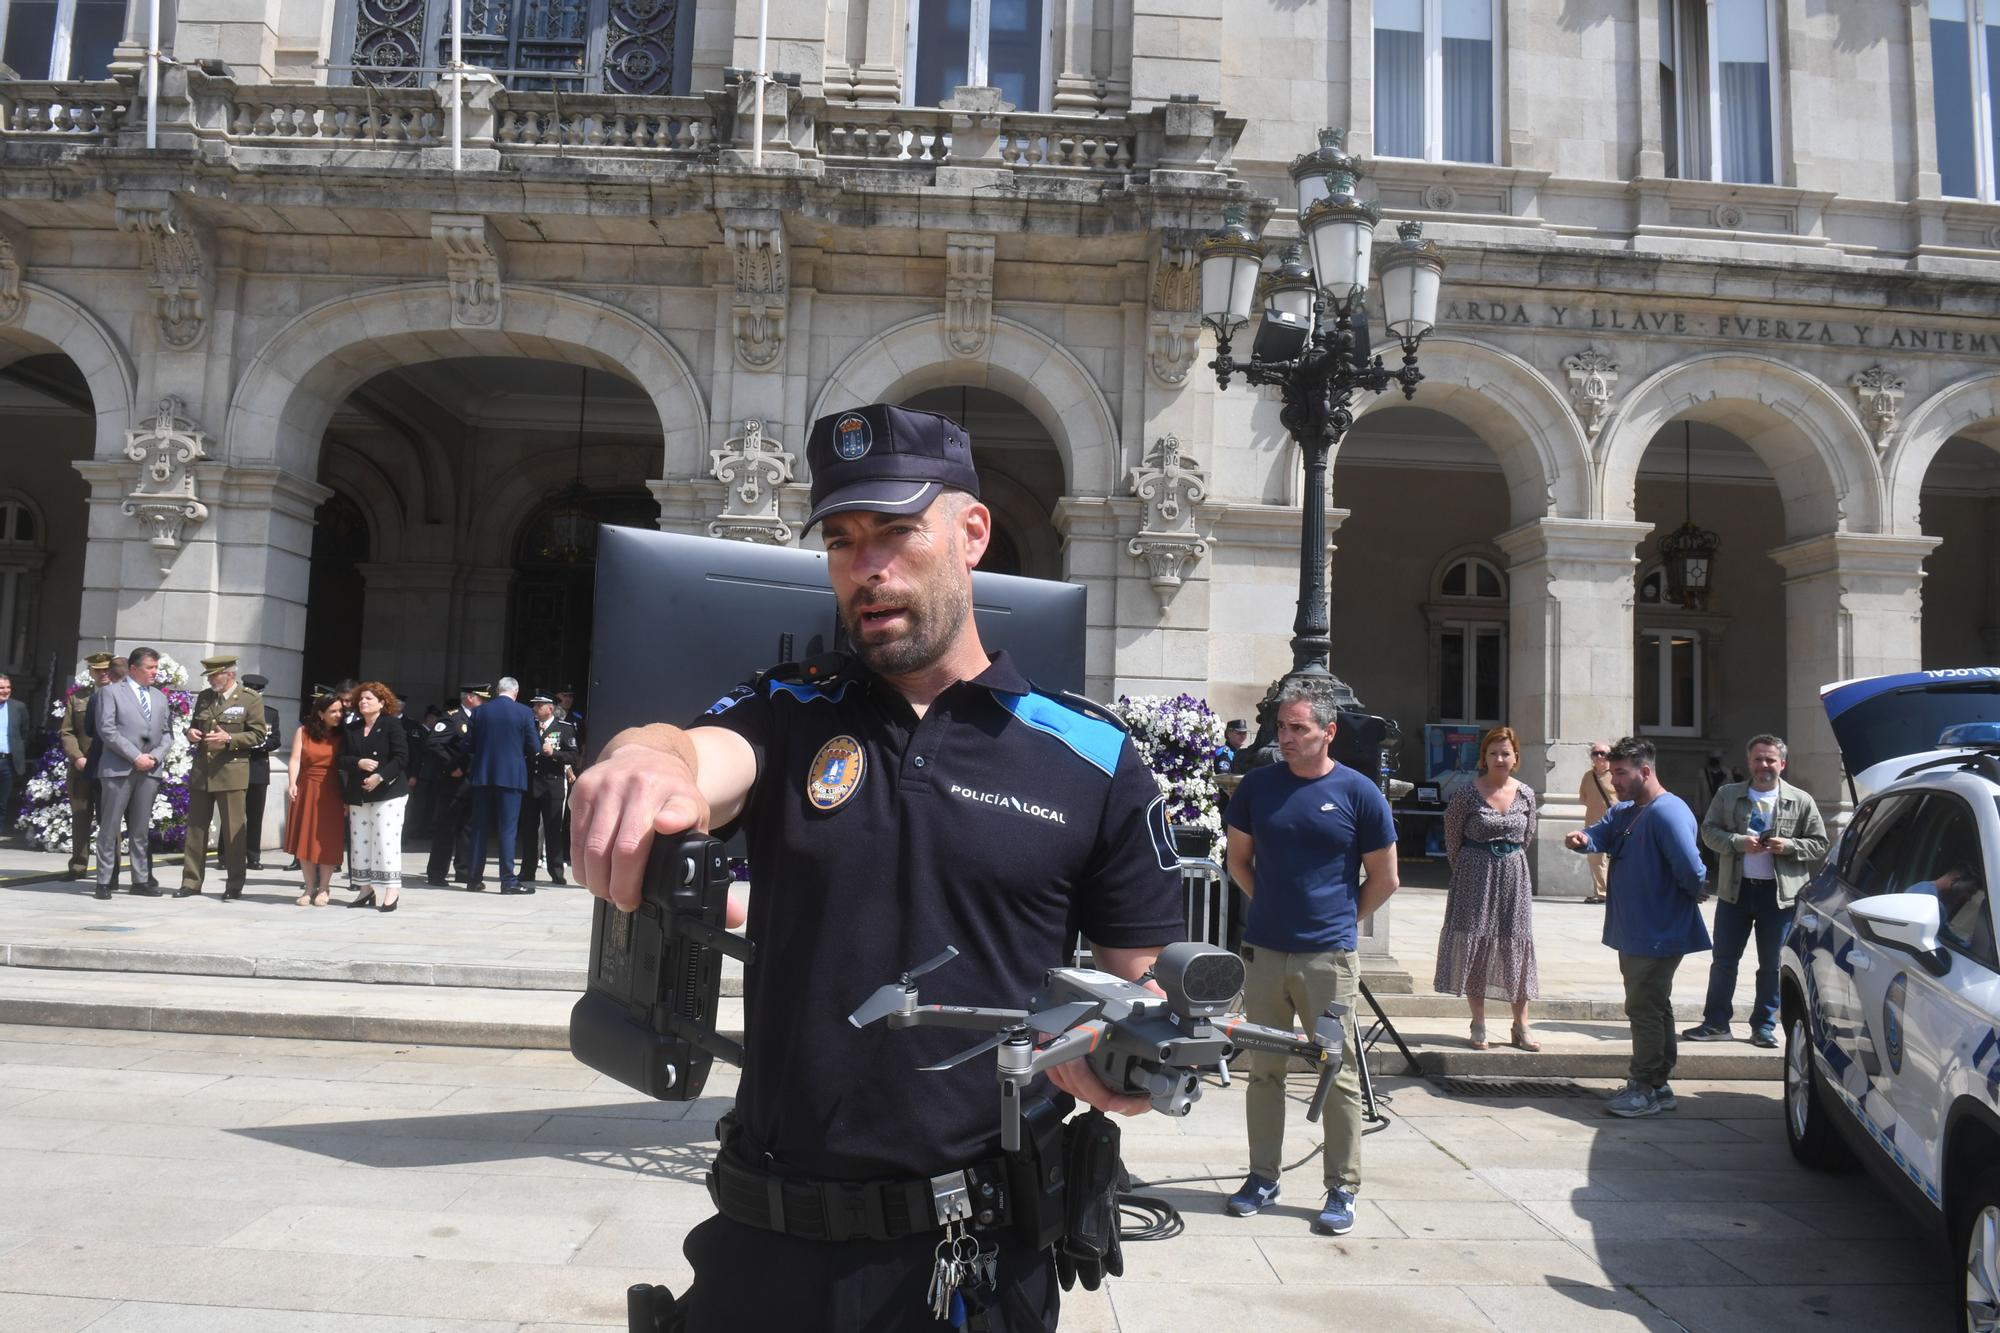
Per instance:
x=165, y=1183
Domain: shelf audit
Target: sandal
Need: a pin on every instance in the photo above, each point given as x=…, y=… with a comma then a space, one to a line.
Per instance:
x=1524, y=1040
x=322, y=898
x=1479, y=1036
x=304, y=899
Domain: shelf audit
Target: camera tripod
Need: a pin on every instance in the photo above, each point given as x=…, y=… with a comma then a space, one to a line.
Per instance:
x=1381, y=1027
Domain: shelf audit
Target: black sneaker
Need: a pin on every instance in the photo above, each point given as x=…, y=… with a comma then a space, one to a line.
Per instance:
x=1707, y=1032
x=1765, y=1039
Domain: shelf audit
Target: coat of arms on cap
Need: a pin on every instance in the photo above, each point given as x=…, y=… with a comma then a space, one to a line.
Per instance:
x=851, y=436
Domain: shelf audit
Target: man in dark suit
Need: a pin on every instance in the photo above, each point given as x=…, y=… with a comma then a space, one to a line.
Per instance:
x=501, y=738
x=13, y=751
x=260, y=777
x=548, y=789
x=451, y=802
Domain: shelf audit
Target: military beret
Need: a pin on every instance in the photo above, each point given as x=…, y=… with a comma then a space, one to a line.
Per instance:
x=211, y=665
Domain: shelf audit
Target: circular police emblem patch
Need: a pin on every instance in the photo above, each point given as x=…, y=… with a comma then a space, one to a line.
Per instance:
x=852, y=437
x=1892, y=1020
x=836, y=773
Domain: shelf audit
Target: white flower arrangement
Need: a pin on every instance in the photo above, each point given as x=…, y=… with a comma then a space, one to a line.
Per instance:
x=1180, y=738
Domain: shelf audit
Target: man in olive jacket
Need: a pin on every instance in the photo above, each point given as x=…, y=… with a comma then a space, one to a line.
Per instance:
x=226, y=729
x=1768, y=839
x=81, y=749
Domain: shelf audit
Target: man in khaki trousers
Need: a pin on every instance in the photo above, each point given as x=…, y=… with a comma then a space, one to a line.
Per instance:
x=1302, y=834
x=226, y=726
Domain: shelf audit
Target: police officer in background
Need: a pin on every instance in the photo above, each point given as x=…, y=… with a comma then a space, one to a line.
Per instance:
x=873, y=794
x=80, y=748
x=548, y=791
x=451, y=803
x=260, y=776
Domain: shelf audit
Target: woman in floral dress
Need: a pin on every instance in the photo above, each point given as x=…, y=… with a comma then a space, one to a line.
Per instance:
x=1487, y=946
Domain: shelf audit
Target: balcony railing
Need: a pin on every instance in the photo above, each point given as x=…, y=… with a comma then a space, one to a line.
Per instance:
x=253, y=125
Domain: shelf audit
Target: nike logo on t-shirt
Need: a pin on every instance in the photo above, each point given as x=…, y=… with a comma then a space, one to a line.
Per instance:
x=1328, y=806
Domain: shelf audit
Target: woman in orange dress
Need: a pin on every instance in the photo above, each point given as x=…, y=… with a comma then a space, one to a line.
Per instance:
x=316, y=819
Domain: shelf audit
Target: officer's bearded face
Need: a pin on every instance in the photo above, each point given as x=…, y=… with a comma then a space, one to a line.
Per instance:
x=903, y=582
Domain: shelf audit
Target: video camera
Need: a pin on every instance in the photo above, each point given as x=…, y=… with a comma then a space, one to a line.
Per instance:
x=647, y=1017
x=1136, y=1040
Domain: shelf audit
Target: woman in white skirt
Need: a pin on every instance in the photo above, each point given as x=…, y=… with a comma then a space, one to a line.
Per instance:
x=374, y=775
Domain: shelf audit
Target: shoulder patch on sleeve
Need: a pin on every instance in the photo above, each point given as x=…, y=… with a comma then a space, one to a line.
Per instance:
x=1091, y=738
x=729, y=700
x=807, y=693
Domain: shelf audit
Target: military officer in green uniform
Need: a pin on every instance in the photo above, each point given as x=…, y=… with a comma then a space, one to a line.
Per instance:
x=225, y=729
x=80, y=747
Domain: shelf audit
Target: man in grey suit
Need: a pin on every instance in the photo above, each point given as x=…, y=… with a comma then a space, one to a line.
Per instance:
x=135, y=722
x=13, y=751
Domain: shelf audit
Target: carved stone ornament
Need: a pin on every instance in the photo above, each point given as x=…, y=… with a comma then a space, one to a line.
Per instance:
x=1173, y=339
x=1592, y=377
x=763, y=291
x=1168, y=542
x=1880, y=391
x=751, y=469
x=163, y=499
x=472, y=265
x=178, y=273
x=1729, y=217
x=968, y=292
x=1440, y=198
x=13, y=259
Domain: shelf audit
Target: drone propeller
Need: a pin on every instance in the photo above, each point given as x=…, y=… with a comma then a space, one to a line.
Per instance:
x=1048, y=1023
x=888, y=999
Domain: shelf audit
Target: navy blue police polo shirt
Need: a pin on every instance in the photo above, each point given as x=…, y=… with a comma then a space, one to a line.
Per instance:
x=1003, y=822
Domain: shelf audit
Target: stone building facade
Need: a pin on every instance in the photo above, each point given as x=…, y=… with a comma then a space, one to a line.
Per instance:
x=291, y=368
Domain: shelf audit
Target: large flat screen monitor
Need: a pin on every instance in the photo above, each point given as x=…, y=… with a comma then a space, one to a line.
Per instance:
x=680, y=620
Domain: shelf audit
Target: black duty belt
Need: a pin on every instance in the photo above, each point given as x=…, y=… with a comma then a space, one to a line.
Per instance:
x=839, y=1210
x=1748, y=880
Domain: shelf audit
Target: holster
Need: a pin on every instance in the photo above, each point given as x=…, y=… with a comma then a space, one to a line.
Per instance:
x=1089, y=1247
x=1038, y=1174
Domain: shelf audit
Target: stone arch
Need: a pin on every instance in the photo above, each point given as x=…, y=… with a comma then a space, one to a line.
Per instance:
x=292, y=387
x=1807, y=434
x=1970, y=407
x=521, y=494
x=1028, y=366
x=366, y=483
x=51, y=321
x=1518, y=414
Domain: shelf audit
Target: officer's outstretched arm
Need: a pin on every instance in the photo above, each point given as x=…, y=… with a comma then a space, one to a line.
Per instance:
x=652, y=780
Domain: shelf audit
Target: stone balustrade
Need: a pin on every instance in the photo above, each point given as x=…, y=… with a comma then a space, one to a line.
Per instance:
x=391, y=117
x=547, y=122
x=67, y=112
x=884, y=135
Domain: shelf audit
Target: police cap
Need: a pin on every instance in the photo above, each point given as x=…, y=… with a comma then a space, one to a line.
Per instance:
x=886, y=460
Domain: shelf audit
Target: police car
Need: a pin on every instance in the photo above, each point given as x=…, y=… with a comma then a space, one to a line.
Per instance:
x=1891, y=979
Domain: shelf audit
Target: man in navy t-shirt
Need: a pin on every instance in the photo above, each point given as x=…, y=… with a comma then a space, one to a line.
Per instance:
x=1301, y=834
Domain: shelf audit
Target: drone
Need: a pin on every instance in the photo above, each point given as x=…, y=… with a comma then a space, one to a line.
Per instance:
x=1137, y=1040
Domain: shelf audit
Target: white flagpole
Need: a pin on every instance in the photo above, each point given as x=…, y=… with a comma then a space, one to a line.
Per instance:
x=763, y=63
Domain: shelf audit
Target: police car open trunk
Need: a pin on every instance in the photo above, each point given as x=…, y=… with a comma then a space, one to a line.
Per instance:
x=1887, y=726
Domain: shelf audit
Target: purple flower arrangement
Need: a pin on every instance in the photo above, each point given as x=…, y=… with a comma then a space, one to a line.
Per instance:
x=45, y=818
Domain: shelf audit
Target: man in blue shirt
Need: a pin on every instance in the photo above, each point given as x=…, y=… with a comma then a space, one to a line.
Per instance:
x=1300, y=835
x=1653, y=916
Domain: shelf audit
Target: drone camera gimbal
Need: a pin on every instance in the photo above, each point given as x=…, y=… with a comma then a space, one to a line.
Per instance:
x=1137, y=1040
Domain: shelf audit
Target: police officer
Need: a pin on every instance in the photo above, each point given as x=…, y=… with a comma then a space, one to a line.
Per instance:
x=260, y=777
x=226, y=726
x=451, y=804
x=921, y=796
x=80, y=748
x=548, y=790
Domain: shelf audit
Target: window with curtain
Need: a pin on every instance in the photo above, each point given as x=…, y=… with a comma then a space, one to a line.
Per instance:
x=1434, y=79
x=1965, y=50
x=61, y=39
x=978, y=43
x=1666, y=696
x=1718, y=90
x=614, y=46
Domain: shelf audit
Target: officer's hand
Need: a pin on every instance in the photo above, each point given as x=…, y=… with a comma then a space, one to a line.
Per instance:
x=619, y=804
x=1076, y=1079
x=1776, y=846
x=79, y=764
x=1577, y=841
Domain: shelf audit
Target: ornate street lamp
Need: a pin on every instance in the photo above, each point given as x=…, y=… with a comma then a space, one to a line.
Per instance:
x=1312, y=344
